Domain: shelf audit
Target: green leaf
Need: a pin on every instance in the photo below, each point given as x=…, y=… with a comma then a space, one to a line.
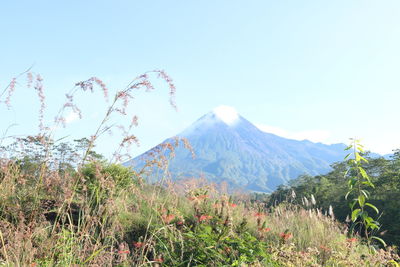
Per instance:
x=369, y=184
x=393, y=263
x=369, y=220
x=360, y=148
x=348, y=193
x=94, y=254
x=352, y=181
x=364, y=215
x=366, y=193
x=352, y=204
x=363, y=173
x=347, y=156
x=358, y=157
x=380, y=240
x=348, y=148
x=361, y=200
x=372, y=226
x=355, y=214
x=372, y=206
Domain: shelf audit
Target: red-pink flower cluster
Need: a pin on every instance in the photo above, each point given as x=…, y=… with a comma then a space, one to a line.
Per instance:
x=285, y=236
x=159, y=260
x=168, y=218
x=199, y=197
x=202, y=218
x=264, y=230
x=138, y=244
x=324, y=248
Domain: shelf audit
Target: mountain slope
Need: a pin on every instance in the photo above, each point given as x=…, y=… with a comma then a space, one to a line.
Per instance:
x=229, y=148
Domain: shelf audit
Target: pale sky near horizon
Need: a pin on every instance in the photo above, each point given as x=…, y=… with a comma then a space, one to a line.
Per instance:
x=317, y=70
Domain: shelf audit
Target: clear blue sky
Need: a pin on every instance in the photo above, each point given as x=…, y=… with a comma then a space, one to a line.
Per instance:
x=323, y=70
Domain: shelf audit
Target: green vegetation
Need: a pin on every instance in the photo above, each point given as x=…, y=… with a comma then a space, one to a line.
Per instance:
x=381, y=188
x=358, y=182
x=106, y=215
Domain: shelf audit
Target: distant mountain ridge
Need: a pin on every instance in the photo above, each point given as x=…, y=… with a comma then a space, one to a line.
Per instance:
x=229, y=148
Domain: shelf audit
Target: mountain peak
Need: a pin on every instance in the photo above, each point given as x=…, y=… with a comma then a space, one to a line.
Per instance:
x=227, y=114
x=229, y=148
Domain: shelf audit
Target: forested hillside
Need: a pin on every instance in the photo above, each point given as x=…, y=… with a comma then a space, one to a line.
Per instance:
x=330, y=189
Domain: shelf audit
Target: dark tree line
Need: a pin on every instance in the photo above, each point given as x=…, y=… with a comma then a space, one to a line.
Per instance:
x=330, y=190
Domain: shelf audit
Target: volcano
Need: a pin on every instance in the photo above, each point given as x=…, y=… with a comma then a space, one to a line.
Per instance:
x=229, y=148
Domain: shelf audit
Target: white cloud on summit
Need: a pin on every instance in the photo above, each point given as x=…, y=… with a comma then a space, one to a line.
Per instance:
x=311, y=135
x=227, y=114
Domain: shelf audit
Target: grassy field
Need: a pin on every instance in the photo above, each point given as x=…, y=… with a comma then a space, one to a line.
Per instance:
x=106, y=215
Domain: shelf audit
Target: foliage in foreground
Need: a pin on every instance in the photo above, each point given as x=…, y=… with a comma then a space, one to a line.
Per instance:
x=105, y=215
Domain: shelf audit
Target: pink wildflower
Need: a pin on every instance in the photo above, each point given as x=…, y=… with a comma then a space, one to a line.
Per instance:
x=137, y=244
